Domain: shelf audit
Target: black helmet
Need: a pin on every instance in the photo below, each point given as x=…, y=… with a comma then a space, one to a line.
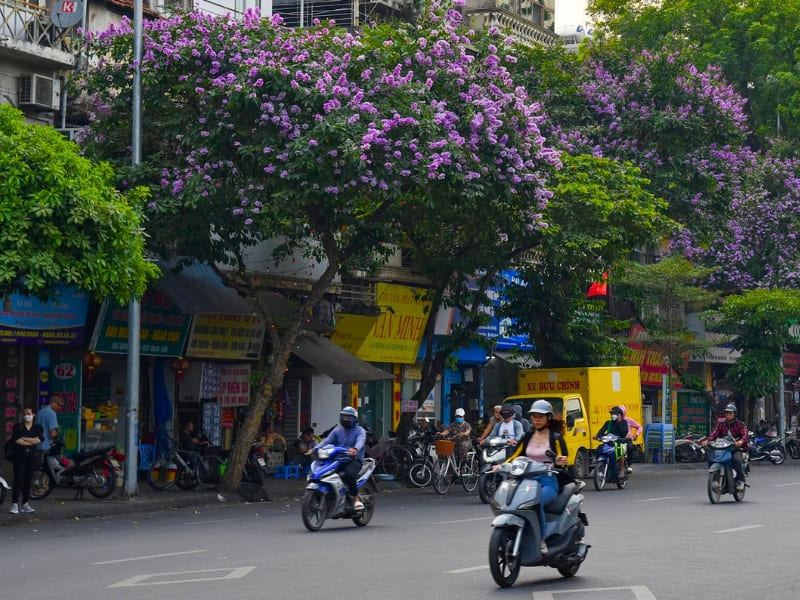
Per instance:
x=616, y=411
x=730, y=407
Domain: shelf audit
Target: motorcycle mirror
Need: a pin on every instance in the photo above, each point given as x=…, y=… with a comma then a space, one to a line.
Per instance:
x=550, y=454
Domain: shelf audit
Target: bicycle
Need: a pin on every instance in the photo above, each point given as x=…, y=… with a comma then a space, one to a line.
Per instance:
x=447, y=469
x=186, y=469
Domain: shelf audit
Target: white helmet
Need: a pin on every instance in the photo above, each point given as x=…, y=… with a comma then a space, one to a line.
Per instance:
x=460, y=412
x=541, y=407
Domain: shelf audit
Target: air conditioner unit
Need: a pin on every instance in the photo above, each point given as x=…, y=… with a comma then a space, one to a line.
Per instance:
x=69, y=133
x=39, y=91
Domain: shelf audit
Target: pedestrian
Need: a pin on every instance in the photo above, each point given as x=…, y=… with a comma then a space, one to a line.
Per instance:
x=48, y=419
x=26, y=436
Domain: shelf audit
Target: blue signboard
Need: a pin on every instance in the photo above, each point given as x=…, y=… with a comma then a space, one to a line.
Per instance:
x=61, y=320
x=497, y=329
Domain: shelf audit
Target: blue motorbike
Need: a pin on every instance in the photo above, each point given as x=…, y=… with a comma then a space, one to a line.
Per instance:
x=326, y=494
x=721, y=474
x=606, y=469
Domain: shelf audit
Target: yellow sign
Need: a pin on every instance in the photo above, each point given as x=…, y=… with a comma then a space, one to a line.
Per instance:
x=395, y=335
x=226, y=337
x=352, y=330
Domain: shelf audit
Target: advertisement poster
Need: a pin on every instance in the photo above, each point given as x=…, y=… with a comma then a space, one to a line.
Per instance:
x=65, y=381
x=234, y=385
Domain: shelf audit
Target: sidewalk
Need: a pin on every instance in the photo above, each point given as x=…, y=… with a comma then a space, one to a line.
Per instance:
x=61, y=506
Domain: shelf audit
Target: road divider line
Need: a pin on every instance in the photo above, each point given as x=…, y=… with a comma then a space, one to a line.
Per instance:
x=640, y=592
x=209, y=521
x=786, y=484
x=735, y=529
x=147, y=557
x=658, y=499
x=203, y=576
x=464, y=520
x=467, y=570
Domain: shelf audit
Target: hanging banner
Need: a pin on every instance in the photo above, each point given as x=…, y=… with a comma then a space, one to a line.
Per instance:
x=227, y=337
x=60, y=321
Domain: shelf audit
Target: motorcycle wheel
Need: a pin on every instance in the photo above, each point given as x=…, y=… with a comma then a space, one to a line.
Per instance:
x=716, y=481
x=42, y=483
x=579, y=469
x=420, y=473
x=161, y=474
x=442, y=477
x=469, y=474
x=600, y=475
x=487, y=486
x=738, y=494
x=504, y=568
x=104, y=470
x=684, y=454
x=367, y=495
x=781, y=458
x=793, y=448
x=568, y=570
x=314, y=509
x=2, y=495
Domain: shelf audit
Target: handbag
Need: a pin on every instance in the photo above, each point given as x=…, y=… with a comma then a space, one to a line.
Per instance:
x=9, y=449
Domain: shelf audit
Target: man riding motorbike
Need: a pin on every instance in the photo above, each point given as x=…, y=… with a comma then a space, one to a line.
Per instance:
x=618, y=426
x=351, y=435
x=736, y=429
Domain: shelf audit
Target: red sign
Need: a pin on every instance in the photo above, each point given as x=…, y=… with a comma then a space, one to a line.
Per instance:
x=227, y=416
x=68, y=6
x=651, y=362
x=791, y=363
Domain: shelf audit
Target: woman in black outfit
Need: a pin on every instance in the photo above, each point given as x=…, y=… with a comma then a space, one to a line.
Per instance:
x=26, y=436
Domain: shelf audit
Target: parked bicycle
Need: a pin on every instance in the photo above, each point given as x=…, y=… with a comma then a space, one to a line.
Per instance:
x=448, y=468
x=184, y=468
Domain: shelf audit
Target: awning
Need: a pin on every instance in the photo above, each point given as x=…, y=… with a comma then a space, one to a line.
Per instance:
x=335, y=362
x=197, y=289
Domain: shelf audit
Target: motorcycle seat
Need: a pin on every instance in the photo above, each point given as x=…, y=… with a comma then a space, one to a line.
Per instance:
x=81, y=456
x=558, y=505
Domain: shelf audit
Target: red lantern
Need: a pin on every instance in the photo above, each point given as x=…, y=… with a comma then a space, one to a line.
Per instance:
x=180, y=365
x=91, y=361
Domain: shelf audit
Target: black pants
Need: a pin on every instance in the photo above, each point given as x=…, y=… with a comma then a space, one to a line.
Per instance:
x=736, y=461
x=23, y=475
x=349, y=473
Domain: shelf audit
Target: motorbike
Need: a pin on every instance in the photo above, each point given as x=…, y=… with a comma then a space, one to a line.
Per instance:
x=253, y=485
x=792, y=445
x=4, y=489
x=516, y=537
x=420, y=470
x=690, y=449
x=606, y=456
x=766, y=447
x=95, y=470
x=495, y=452
x=325, y=494
x=721, y=475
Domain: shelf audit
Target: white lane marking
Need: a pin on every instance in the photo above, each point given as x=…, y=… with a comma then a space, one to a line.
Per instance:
x=639, y=591
x=464, y=520
x=735, y=529
x=147, y=557
x=209, y=521
x=228, y=573
x=657, y=499
x=786, y=484
x=467, y=569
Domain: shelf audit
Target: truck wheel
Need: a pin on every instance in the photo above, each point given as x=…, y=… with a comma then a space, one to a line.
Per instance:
x=580, y=467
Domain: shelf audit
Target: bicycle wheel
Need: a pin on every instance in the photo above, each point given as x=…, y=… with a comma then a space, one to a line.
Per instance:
x=442, y=477
x=187, y=477
x=391, y=463
x=161, y=475
x=213, y=469
x=470, y=474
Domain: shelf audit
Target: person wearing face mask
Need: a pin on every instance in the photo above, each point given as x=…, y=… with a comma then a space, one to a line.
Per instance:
x=459, y=431
x=618, y=426
x=26, y=436
x=349, y=434
x=509, y=427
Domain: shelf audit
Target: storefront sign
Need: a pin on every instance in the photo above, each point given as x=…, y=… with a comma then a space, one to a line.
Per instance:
x=163, y=328
x=65, y=381
x=61, y=321
x=228, y=337
x=651, y=362
x=791, y=364
x=396, y=334
x=234, y=385
x=693, y=412
x=227, y=417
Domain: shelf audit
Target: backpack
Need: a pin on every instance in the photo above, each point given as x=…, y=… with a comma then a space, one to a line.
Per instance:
x=9, y=449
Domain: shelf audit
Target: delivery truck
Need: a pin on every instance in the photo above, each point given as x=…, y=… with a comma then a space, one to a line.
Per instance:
x=582, y=398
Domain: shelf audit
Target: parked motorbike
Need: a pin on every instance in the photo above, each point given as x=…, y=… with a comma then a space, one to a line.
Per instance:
x=95, y=470
x=606, y=469
x=4, y=489
x=495, y=452
x=253, y=485
x=766, y=447
x=690, y=449
x=516, y=538
x=325, y=495
x=792, y=445
x=721, y=475
x=420, y=471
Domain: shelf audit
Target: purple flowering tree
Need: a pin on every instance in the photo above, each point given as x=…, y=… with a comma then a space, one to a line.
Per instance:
x=324, y=140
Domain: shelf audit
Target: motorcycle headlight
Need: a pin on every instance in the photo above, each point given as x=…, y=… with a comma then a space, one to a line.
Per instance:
x=323, y=454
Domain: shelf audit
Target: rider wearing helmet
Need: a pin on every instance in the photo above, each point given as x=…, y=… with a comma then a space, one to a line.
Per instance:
x=508, y=427
x=351, y=435
x=618, y=426
x=535, y=444
x=736, y=429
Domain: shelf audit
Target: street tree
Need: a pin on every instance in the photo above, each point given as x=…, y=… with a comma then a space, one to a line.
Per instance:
x=62, y=222
x=320, y=139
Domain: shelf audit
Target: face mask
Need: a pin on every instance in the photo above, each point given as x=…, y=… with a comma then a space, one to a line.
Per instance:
x=506, y=415
x=459, y=420
x=27, y=418
x=347, y=423
x=614, y=417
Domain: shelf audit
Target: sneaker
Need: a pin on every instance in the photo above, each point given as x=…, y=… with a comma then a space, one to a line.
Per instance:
x=739, y=485
x=358, y=505
x=14, y=509
x=630, y=469
x=543, y=548
x=27, y=508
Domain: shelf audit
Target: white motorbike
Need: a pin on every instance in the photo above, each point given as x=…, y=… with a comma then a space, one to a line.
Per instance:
x=4, y=489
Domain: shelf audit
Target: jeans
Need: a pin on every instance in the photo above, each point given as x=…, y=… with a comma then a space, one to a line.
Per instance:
x=549, y=491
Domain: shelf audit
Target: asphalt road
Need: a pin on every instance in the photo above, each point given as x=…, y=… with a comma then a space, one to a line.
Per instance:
x=659, y=539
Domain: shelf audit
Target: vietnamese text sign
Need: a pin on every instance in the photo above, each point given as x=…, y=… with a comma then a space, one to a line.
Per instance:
x=226, y=337
x=61, y=320
x=234, y=385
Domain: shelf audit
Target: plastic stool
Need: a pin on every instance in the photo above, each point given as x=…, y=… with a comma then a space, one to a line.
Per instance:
x=288, y=471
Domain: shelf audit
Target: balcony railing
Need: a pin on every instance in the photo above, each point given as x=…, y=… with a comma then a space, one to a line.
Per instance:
x=30, y=24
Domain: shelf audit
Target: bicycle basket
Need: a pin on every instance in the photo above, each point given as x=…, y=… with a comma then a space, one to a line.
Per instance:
x=445, y=447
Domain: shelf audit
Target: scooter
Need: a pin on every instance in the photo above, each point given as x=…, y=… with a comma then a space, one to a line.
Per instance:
x=516, y=538
x=326, y=494
x=495, y=452
x=606, y=466
x=721, y=475
x=95, y=470
x=767, y=447
x=690, y=449
x=4, y=489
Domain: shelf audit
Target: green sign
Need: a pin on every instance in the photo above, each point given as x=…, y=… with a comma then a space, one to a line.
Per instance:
x=693, y=413
x=65, y=381
x=163, y=328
